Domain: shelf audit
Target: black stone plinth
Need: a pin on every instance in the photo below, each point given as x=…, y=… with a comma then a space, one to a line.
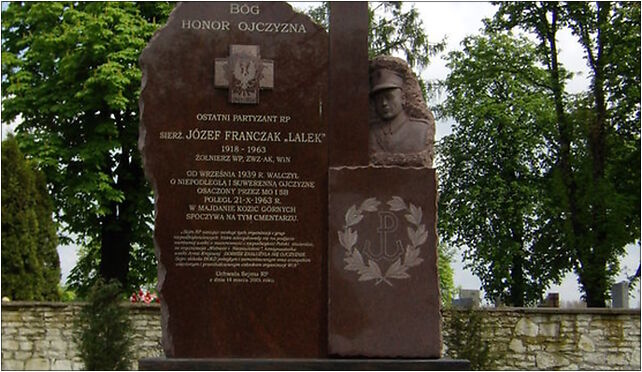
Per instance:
x=172, y=364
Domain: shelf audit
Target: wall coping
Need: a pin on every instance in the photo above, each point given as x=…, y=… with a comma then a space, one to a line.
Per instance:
x=11, y=305
x=556, y=310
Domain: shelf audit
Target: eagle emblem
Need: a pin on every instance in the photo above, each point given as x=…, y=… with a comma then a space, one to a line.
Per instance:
x=245, y=73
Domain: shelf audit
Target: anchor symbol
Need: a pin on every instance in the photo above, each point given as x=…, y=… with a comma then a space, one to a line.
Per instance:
x=388, y=223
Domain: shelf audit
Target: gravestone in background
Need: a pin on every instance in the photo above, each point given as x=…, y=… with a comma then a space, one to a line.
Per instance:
x=233, y=136
x=620, y=295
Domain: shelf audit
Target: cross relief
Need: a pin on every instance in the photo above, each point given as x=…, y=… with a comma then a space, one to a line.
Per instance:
x=244, y=73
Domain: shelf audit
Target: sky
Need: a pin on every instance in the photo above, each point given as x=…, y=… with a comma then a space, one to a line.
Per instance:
x=455, y=20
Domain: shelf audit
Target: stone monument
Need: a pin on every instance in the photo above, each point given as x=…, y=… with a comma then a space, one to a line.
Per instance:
x=285, y=238
x=383, y=283
x=233, y=137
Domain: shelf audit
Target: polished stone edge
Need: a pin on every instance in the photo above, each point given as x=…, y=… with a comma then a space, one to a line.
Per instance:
x=193, y=364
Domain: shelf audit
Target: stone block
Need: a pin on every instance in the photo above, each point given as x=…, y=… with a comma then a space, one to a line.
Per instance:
x=12, y=365
x=59, y=344
x=552, y=347
x=28, y=331
x=524, y=365
x=544, y=360
x=26, y=345
x=77, y=366
x=596, y=360
x=566, y=346
x=586, y=344
x=50, y=315
x=567, y=326
x=38, y=364
x=10, y=345
x=596, y=333
x=516, y=346
x=635, y=357
x=549, y=329
x=22, y=355
x=149, y=343
x=617, y=359
x=8, y=330
x=10, y=316
x=526, y=327
x=41, y=345
x=586, y=318
x=28, y=318
x=61, y=365
x=53, y=332
x=500, y=331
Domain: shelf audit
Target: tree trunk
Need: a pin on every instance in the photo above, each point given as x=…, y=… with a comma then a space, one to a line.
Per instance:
x=594, y=266
x=517, y=278
x=594, y=283
x=114, y=250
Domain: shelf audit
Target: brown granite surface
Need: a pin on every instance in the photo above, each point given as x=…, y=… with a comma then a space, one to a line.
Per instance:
x=164, y=364
x=233, y=136
x=383, y=285
x=348, y=137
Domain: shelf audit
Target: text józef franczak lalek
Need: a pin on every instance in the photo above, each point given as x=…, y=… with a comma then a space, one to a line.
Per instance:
x=243, y=136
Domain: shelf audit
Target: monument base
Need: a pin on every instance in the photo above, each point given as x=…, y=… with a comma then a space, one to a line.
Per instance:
x=193, y=364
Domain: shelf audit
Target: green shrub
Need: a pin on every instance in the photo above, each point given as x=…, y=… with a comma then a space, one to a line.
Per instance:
x=102, y=329
x=464, y=339
x=30, y=263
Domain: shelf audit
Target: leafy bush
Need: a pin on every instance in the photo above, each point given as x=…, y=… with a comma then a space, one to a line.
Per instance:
x=30, y=263
x=102, y=329
x=464, y=339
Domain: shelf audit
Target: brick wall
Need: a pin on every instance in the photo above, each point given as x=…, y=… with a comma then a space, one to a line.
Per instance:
x=38, y=336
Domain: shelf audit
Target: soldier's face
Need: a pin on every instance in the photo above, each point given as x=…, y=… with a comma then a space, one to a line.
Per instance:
x=389, y=103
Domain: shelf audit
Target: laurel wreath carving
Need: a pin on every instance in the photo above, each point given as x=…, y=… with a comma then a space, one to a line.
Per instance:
x=348, y=238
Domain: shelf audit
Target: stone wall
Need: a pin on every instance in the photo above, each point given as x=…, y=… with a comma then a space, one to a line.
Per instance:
x=569, y=339
x=38, y=336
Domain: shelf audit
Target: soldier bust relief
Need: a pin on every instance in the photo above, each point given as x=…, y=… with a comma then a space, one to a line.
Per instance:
x=402, y=128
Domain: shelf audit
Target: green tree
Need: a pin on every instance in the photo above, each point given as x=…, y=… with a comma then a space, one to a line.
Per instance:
x=393, y=30
x=594, y=182
x=446, y=274
x=30, y=263
x=491, y=165
x=70, y=71
x=102, y=329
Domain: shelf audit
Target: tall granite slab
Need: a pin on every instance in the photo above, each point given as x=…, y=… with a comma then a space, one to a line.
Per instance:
x=233, y=136
x=383, y=285
x=349, y=96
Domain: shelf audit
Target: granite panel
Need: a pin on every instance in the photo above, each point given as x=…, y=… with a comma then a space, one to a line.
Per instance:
x=383, y=284
x=233, y=136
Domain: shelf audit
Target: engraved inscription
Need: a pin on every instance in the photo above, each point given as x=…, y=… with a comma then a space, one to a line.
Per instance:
x=244, y=26
x=238, y=252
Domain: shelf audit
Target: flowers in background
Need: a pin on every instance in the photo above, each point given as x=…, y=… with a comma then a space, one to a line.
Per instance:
x=146, y=297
